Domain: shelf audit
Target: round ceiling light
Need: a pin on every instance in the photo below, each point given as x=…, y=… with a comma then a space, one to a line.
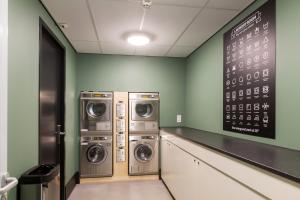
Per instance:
x=138, y=39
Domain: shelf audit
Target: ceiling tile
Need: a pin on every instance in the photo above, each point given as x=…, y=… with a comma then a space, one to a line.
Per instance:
x=194, y=3
x=168, y=22
x=152, y=50
x=114, y=18
x=207, y=23
x=86, y=46
x=75, y=13
x=181, y=51
x=117, y=48
x=230, y=4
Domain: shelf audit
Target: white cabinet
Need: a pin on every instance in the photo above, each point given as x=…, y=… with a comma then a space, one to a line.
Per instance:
x=166, y=162
x=179, y=172
x=220, y=186
x=187, y=177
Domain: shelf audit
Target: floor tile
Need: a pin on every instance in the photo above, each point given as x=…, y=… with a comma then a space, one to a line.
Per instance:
x=132, y=190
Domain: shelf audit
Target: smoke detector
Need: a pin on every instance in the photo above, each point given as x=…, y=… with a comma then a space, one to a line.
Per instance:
x=63, y=25
x=147, y=4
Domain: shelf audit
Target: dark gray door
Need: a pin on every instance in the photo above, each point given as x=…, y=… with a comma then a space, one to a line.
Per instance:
x=51, y=100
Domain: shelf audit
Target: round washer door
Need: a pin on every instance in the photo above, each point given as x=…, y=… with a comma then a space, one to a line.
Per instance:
x=144, y=110
x=96, y=109
x=143, y=153
x=96, y=154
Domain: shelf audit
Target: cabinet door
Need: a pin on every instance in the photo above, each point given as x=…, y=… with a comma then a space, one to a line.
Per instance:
x=187, y=175
x=190, y=178
x=219, y=186
x=165, y=160
x=168, y=165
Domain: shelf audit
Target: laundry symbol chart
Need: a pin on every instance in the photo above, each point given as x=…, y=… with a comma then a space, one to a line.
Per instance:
x=249, y=74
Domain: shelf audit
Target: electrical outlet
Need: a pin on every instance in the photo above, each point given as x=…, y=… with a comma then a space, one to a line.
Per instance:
x=179, y=119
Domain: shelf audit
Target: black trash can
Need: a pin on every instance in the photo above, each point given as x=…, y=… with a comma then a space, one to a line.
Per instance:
x=43, y=179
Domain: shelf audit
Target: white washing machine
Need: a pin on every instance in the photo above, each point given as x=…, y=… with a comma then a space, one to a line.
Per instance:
x=96, y=156
x=96, y=112
x=143, y=157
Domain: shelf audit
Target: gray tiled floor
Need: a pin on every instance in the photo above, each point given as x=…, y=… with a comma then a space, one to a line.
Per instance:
x=134, y=190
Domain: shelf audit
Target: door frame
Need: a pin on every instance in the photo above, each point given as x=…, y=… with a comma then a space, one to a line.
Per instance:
x=43, y=25
x=3, y=84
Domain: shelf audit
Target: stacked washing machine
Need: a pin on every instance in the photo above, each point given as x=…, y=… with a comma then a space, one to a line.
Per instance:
x=96, y=129
x=143, y=133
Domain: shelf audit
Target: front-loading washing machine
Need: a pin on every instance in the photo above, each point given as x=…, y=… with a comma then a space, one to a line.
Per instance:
x=96, y=156
x=143, y=158
x=96, y=112
x=143, y=112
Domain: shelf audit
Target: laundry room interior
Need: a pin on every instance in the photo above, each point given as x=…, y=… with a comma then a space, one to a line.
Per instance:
x=149, y=99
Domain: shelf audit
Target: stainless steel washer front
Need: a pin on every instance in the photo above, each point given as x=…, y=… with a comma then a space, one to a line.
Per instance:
x=143, y=154
x=144, y=112
x=96, y=156
x=96, y=112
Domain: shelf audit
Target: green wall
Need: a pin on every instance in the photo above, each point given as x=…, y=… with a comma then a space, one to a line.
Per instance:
x=197, y=81
x=136, y=74
x=192, y=87
x=23, y=91
x=204, y=87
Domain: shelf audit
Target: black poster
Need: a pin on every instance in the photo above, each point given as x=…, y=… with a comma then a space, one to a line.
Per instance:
x=249, y=74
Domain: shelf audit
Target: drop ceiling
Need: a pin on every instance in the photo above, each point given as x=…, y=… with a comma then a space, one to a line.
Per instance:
x=178, y=26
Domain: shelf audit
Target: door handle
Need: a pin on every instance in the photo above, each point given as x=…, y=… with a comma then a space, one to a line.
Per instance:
x=59, y=132
x=10, y=183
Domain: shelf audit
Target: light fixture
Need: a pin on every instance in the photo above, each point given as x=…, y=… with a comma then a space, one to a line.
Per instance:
x=141, y=38
x=138, y=39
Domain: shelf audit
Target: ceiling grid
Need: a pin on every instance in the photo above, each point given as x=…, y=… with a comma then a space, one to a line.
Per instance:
x=94, y=25
x=175, y=42
x=178, y=26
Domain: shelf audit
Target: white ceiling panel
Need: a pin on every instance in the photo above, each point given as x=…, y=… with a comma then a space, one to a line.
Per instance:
x=114, y=18
x=86, y=46
x=117, y=48
x=152, y=50
x=190, y=3
x=168, y=22
x=207, y=23
x=230, y=4
x=75, y=13
x=181, y=51
x=100, y=26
